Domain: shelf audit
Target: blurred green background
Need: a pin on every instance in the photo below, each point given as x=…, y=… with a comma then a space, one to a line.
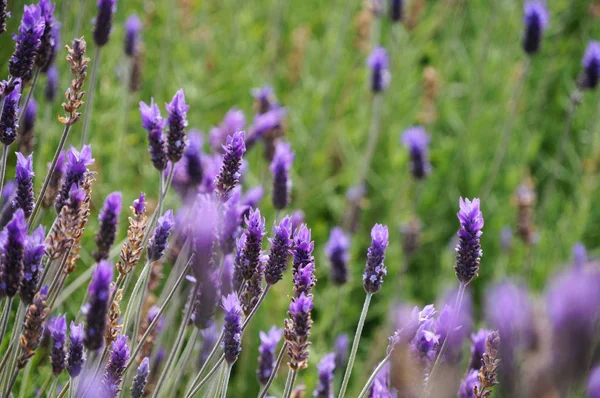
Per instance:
x=455, y=66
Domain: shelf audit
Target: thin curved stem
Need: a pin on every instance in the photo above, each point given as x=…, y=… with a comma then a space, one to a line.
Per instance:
x=359, y=328
x=90, y=99
x=33, y=83
x=3, y=165
x=381, y=364
x=5, y=317
x=207, y=378
x=265, y=389
x=226, y=381
x=289, y=385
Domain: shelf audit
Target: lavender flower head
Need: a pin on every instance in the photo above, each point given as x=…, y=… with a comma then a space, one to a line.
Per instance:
x=375, y=269
x=77, y=163
x=97, y=307
x=297, y=218
x=381, y=385
x=396, y=10
x=466, y=386
x=9, y=119
x=264, y=123
x=24, y=177
x=593, y=383
x=304, y=279
x=303, y=248
x=76, y=357
x=113, y=375
x=416, y=140
x=140, y=379
x=28, y=43
x=266, y=350
x=233, y=121
x=194, y=159
x=14, y=252
x=133, y=25
x=107, y=231
x=425, y=343
x=58, y=330
x=177, y=123
x=4, y=15
x=452, y=329
x=591, y=65
x=229, y=175
x=536, y=21
x=230, y=223
x=342, y=343
x=103, y=21
x=29, y=117
x=378, y=62
x=254, y=233
x=281, y=243
x=468, y=250
x=32, y=264
x=153, y=122
x=280, y=167
x=325, y=384
x=337, y=251
x=51, y=84
x=139, y=204
x=48, y=41
x=232, y=328
x=478, y=348
x=158, y=243
x=264, y=98
x=297, y=331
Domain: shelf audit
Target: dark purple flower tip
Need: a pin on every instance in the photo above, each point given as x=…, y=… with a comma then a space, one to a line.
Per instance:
x=112, y=206
x=140, y=379
x=14, y=250
x=99, y=286
x=76, y=355
x=536, y=21
x=151, y=118
x=24, y=177
x=177, y=122
x=97, y=307
x=177, y=105
x=139, y=205
x=280, y=167
x=396, y=10
x=29, y=115
x=378, y=63
x=301, y=305
x=302, y=240
x=133, y=25
x=159, y=241
x=255, y=224
x=9, y=119
x=115, y=368
x=107, y=231
x=79, y=161
x=466, y=386
x=468, y=250
x=593, y=383
x=24, y=168
x=591, y=65
x=342, y=343
x=304, y=279
x=35, y=249
x=103, y=21
x=337, y=251
x=51, y=84
x=229, y=174
x=478, y=348
x=232, y=328
x=417, y=140
x=235, y=145
x=375, y=269
x=58, y=330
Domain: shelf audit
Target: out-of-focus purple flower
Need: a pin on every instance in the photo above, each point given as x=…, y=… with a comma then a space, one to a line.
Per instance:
x=76, y=357
x=478, y=348
x=4, y=15
x=231, y=222
x=297, y=331
x=227, y=275
x=279, y=254
x=337, y=250
x=193, y=156
x=97, y=307
x=325, y=384
x=229, y=175
x=234, y=121
x=103, y=21
x=158, y=243
x=32, y=264
x=8, y=191
x=303, y=248
x=375, y=268
x=153, y=122
x=536, y=21
x=29, y=119
x=417, y=140
x=506, y=239
x=591, y=66
x=450, y=328
x=264, y=98
x=24, y=177
x=9, y=119
x=207, y=298
x=252, y=197
x=28, y=43
x=580, y=257
x=14, y=252
x=211, y=166
x=141, y=378
x=133, y=25
x=113, y=375
x=280, y=167
x=108, y=220
x=177, y=122
x=466, y=386
x=75, y=171
x=297, y=218
x=264, y=123
x=593, y=383
x=58, y=329
x=210, y=335
x=232, y=328
x=378, y=63
x=51, y=84
x=396, y=10
x=425, y=342
x=381, y=385
x=266, y=350
x=468, y=250
x=48, y=42
x=341, y=345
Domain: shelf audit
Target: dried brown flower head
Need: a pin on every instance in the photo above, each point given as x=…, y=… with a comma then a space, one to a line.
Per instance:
x=131, y=251
x=78, y=64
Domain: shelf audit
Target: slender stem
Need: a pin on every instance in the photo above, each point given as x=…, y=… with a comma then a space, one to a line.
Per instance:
x=66, y=388
x=73, y=286
x=226, y=381
x=359, y=328
x=3, y=165
x=33, y=83
x=90, y=99
x=11, y=383
x=258, y=303
x=136, y=297
x=53, y=387
x=207, y=378
x=5, y=317
x=373, y=137
x=265, y=389
x=365, y=389
x=24, y=381
x=161, y=194
x=289, y=385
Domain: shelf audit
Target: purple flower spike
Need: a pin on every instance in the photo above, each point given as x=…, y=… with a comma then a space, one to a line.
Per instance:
x=193, y=157
x=14, y=252
x=9, y=120
x=536, y=21
x=342, y=343
x=48, y=41
x=76, y=169
x=254, y=233
x=593, y=383
x=416, y=140
x=466, y=386
x=58, y=330
x=279, y=254
x=264, y=123
x=280, y=167
x=115, y=368
x=177, y=123
x=153, y=122
x=24, y=177
x=266, y=350
x=375, y=269
x=29, y=118
x=103, y=21
x=304, y=279
x=207, y=299
x=97, y=307
x=396, y=10
x=232, y=328
x=252, y=197
x=159, y=241
x=337, y=251
x=591, y=65
x=229, y=176
x=381, y=385
x=380, y=75
x=303, y=248
x=140, y=379
x=133, y=25
x=4, y=15
x=32, y=264
x=139, y=205
x=325, y=385
x=28, y=43
x=230, y=225
x=297, y=218
x=264, y=98
x=478, y=348
x=234, y=120
x=76, y=357
x=107, y=231
x=51, y=84
x=468, y=249
x=297, y=331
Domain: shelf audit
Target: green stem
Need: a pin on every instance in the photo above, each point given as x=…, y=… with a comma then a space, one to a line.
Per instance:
x=5, y=317
x=90, y=99
x=136, y=297
x=289, y=385
x=3, y=165
x=365, y=389
x=226, y=380
x=207, y=378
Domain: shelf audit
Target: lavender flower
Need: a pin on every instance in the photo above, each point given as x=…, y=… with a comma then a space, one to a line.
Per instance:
x=267, y=125
x=207, y=298
x=375, y=269
x=103, y=21
x=48, y=41
x=591, y=66
x=4, y=15
x=580, y=257
x=304, y=279
x=32, y=264
x=280, y=167
x=466, y=386
x=230, y=224
x=254, y=233
x=177, y=122
x=396, y=10
x=303, y=248
x=342, y=343
x=478, y=348
x=76, y=169
x=133, y=25
x=27, y=128
x=337, y=251
x=51, y=84
x=210, y=336
x=14, y=251
x=452, y=329
x=193, y=155
x=58, y=329
x=325, y=385
x=281, y=243
x=28, y=42
x=229, y=176
x=97, y=307
x=297, y=331
x=593, y=383
x=234, y=120
x=159, y=240
x=468, y=250
x=264, y=99
x=9, y=120
x=141, y=378
x=108, y=220
x=252, y=197
x=115, y=368
x=24, y=177
x=232, y=328
x=536, y=21
x=425, y=343
x=417, y=140
x=153, y=122
x=56, y=180
x=266, y=350
x=380, y=75
x=380, y=387
x=76, y=357
x=33, y=327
